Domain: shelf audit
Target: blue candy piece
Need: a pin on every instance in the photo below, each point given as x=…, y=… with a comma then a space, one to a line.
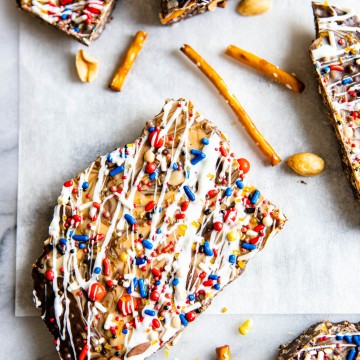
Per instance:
x=205, y=141
x=347, y=81
x=216, y=287
x=80, y=238
x=213, y=277
x=151, y=128
x=183, y=319
x=130, y=219
x=140, y=261
x=339, y=337
x=198, y=158
x=82, y=245
x=232, y=259
x=195, y=152
x=247, y=246
x=255, y=197
x=326, y=69
x=348, y=338
x=175, y=166
x=191, y=297
x=356, y=340
x=157, y=283
x=147, y=244
x=125, y=331
x=77, y=29
x=150, y=312
x=175, y=282
x=97, y=270
x=228, y=191
x=351, y=355
x=207, y=249
x=63, y=241
x=158, y=231
x=142, y=288
x=135, y=282
x=239, y=184
x=189, y=193
x=117, y=170
x=109, y=158
x=85, y=185
x=154, y=175
x=64, y=17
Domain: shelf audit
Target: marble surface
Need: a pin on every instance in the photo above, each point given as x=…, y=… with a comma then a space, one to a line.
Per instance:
x=27, y=338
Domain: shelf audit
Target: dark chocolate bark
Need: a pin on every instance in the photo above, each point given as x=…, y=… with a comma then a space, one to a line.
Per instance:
x=82, y=20
x=146, y=237
x=325, y=340
x=175, y=10
x=335, y=54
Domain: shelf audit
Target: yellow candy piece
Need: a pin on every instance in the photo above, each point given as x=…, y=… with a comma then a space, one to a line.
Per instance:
x=224, y=310
x=124, y=256
x=182, y=230
x=246, y=327
x=233, y=235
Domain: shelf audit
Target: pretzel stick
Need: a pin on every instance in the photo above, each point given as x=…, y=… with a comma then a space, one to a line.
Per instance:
x=223, y=353
x=127, y=63
x=271, y=70
x=230, y=98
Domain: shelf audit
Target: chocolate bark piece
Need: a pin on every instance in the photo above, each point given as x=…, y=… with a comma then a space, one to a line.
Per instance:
x=333, y=341
x=137, y=248
x=335, y=54
x=175, y=10
x=83, y=20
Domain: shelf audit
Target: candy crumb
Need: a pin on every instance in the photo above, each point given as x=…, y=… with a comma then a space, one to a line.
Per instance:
x=224, y=310
x=246, y=326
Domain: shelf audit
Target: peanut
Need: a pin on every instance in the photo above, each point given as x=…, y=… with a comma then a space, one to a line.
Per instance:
x=87, y=67
x=306, y=164
x=253, y=7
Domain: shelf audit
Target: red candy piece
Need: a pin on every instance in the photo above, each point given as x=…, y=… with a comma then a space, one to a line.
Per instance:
x=190, y=316
x=223, y=151
x=208, y=283
x=336, y=67
x=254, y=240
x=212, y=193
x=180, y=216
x=184, y=206
x=244, y=165
x=156, y=138
x=110, y=283
x=154, y=296
x=92, y=9
x=127, y=304
x=150, y=205
x=49, y=275
x=68, y=183
x=156, y=323
x=84, y=352
x=96, y=205
x=218, y=226
x=150, y=168
x=156, y=272
x=202, y=275
x=258, y=228
x=65, y=2
x=96, y=292
x=106, y=267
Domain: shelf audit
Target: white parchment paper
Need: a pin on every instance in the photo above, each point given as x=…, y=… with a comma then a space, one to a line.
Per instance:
x=313, y=265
